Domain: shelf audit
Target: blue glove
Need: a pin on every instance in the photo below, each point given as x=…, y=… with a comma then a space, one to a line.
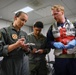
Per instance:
x=71, y=44
x=58, y=45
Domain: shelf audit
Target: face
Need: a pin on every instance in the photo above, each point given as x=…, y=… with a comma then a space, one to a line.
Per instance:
x=21, y=20
x=36, y=30
x=57, y=15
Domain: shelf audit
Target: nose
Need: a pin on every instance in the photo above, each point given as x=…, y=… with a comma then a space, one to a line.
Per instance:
x=38, y=32
x=54, y=17
x=23, y=22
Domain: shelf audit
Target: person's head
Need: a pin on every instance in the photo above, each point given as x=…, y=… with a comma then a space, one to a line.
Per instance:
x=58, y=12
x=37, y=27
x=20, y=19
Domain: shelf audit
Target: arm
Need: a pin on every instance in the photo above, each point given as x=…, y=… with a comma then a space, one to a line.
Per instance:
x=50, y=38
x=7, y=47
x=19, y=43
x=44, y=47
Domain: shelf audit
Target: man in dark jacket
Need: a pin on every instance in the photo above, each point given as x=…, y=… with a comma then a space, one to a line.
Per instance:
x=61, y=37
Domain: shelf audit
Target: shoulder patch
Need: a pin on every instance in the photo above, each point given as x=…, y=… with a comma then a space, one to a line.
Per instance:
x=14, y=36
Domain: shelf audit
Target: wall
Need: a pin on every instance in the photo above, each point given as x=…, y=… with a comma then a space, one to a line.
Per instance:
x=45, y=29
x=27, y=29
x=4, y=23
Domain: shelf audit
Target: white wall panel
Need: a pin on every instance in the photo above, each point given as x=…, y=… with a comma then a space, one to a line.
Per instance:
x=4, y=23
x=45, y=29
x=27, y=29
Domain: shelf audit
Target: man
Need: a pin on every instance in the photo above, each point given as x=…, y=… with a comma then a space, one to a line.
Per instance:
x=61, y=37
x=13, y=47
x=37, y=56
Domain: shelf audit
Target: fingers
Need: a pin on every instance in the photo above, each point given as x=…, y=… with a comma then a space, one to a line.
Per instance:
x=34, y=50
x=22, y=39
x=20, y=42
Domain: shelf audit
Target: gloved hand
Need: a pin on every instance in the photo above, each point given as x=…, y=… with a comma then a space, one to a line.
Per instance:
x=58, y=45
x=71, y=44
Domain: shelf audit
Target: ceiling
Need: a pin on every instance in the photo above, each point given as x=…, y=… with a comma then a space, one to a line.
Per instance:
x=41, y=12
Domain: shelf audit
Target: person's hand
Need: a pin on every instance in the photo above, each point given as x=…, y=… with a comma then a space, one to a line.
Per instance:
x=25, y=47
x=34, y=51
x=40, y=51
x=58, y=45
x=71, y=44
x=20, y=42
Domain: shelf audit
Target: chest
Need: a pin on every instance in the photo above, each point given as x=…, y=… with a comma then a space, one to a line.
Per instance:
x=13, y=36
x=38, y=41
x=66, y=30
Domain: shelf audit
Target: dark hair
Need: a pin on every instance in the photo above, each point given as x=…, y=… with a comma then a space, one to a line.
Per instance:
x=38, y=24
x=19, y=13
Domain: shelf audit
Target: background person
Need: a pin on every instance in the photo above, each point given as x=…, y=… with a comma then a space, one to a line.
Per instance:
x=37, y=56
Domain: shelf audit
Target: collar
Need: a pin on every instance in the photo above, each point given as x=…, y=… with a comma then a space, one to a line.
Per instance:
x=13, y=28
x=62, y=24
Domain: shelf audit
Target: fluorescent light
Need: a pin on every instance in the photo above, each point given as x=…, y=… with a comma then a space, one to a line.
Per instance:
x=26, y=9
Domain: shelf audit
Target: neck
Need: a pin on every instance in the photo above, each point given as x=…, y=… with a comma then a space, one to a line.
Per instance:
x=16, y=27
x=36, y=35
x=62, y=19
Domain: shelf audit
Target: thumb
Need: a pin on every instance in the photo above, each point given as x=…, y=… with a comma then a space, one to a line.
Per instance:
x=22, y=39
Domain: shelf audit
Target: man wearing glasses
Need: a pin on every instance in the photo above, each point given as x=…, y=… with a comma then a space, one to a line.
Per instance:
x=61, y=37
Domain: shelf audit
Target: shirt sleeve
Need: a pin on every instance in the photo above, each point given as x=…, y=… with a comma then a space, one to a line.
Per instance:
x=50, y=38
x=45, y=48
x=3, y=46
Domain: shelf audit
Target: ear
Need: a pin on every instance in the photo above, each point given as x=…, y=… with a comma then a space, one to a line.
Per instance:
x=33, y=27
x=15, y=18
x=62, y=12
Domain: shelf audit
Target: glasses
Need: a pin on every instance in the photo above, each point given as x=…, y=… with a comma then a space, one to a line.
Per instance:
x=55, y=14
